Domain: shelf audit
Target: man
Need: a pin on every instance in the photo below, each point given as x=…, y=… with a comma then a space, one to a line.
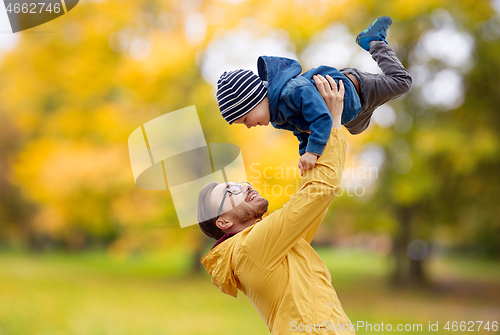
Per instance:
x=269, y=257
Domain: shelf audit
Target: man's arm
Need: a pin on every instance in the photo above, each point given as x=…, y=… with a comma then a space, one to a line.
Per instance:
x=333, y=101
x=272, y=238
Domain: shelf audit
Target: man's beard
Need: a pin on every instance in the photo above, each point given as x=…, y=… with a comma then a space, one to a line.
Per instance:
x=249, y=213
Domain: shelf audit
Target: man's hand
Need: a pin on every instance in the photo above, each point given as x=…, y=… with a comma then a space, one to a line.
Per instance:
x=307, y=161
x=334, y=98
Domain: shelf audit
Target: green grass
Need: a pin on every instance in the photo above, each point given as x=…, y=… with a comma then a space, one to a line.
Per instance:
x=92, y=293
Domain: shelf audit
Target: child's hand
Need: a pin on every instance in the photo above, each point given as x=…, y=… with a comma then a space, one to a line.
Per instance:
x=307, y=161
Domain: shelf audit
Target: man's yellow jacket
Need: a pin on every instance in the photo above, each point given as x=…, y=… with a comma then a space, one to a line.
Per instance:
x=273, y=263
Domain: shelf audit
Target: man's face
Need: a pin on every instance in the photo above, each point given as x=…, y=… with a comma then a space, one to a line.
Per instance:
x=241, y=208
x=258, y=116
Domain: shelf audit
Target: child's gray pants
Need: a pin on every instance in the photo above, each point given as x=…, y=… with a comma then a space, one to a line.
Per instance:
x=376, y=89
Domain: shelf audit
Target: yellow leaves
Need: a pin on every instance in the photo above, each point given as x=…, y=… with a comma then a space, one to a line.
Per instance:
x=72, y=184
x=405, y=192
x=170, y=53
x=271, y=158
x=26, y=169
x=154, y=78
x=413, y=187
x=300, y=18
x=67, y=124
x=138, y=207
x=405, y=9
x=486, y=143
x=49, y=220
x=462, y=148
x=476, y=146
x=76, y=101
x=51, y=171
x=105, y=124
x=427, y=143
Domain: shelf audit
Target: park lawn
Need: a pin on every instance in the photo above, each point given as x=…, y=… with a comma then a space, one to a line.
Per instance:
x=91, y=293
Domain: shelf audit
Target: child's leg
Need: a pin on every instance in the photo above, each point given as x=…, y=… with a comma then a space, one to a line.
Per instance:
x=376, y=89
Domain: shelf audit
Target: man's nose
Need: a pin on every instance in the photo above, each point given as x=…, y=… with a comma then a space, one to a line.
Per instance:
x=248, y=188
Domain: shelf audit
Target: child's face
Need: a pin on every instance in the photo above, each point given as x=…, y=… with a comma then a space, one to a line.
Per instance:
x=258, y=116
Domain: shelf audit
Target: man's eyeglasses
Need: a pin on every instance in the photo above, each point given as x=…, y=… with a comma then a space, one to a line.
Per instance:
x=234, y=189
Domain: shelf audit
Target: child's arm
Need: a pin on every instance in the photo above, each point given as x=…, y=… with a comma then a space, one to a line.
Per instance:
x=307, y=160
x=302, y=137
x=306, y=98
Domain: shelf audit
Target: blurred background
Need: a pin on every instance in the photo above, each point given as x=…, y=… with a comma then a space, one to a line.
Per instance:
x=413, y=236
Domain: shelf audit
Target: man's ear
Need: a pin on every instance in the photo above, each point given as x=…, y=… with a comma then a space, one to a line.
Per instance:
x=223, y=224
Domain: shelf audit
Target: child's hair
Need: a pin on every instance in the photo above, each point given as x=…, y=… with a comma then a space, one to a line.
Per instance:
x=238, y=92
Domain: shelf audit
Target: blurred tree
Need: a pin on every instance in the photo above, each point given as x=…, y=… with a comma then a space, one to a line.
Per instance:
x=14, y=211
x=70, y=100
x=441, y=167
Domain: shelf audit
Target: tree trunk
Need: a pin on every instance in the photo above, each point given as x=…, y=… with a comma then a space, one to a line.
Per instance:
x=399, y=249
x=197, y=267
x=417, y=276
x=407, y=272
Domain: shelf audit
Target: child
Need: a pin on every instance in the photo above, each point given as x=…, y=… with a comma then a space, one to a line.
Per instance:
x=290, y=100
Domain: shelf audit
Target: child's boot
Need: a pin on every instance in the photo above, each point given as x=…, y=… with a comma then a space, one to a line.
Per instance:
x=377, y=31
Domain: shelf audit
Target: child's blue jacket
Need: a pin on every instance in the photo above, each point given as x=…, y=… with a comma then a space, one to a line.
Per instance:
x=295, y=103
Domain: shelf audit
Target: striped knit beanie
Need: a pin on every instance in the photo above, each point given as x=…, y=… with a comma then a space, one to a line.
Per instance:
x=238, y=92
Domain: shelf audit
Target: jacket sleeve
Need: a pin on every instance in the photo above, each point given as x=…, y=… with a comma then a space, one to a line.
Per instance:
x=302, y=137
x=307, y=99
x=272, y=238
